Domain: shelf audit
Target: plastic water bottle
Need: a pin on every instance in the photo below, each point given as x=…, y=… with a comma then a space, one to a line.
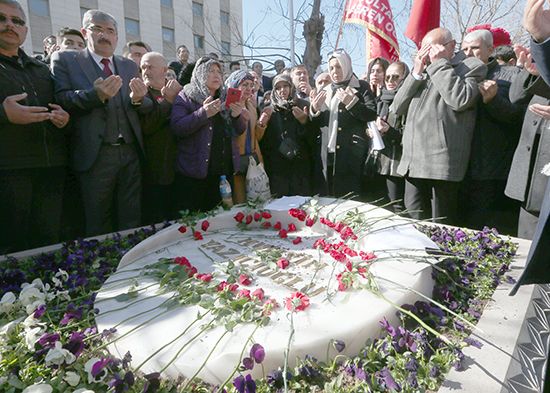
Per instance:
x=225, y=192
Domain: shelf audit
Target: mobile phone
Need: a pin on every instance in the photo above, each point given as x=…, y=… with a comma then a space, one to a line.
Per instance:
x=233, y=95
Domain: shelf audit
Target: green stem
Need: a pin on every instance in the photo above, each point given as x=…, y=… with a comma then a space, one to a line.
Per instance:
x=220, y=388
x=287, y=351
x=172, y=341
x=204, y=362
x=186, y=344
x=138, y=326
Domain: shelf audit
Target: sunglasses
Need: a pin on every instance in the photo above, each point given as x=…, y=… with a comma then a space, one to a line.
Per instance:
x=393, y=77
x=14, y=19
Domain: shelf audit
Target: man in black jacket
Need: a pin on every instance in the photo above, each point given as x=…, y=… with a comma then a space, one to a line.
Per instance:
x=496, y=135
x=32, y=151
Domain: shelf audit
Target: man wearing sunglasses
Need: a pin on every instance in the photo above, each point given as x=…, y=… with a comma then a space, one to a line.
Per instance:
x=32, y=148
x=438, y=99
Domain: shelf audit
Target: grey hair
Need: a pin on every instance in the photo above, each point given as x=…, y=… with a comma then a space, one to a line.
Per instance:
x=98, y=16
x=484, y=35
x=155, y=55
x=14, y=3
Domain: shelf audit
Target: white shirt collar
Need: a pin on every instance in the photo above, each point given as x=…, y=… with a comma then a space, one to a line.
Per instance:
x=97, y=58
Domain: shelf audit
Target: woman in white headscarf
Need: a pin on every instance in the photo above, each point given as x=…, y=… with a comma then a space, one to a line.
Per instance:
x=344, y=107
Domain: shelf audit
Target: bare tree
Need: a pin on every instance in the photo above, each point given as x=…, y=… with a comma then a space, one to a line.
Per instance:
x=314, y=28
x=459, y=15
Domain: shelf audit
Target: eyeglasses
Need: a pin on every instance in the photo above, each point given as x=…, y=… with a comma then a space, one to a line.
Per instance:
x=14, y=19
x=392, y=77
x=336, y=52
x=100, y=30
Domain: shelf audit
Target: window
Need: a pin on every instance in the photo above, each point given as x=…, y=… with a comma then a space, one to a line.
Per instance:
x=132, y=27
x=39, y=7
x=198, y=40
x=224, y=18
x=197, y=9
x=166, y=3
x=226, y=48
x=168, y=35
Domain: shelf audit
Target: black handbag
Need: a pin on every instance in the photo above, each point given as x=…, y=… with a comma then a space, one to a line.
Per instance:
x=289, y=148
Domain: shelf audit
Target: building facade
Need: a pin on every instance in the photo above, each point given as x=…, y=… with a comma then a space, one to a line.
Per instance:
x=204, y=26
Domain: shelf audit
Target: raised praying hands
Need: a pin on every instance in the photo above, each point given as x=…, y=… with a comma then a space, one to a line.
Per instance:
x=107, y=88
x=171, y=90
x=301, y=114
x=138, y=90
x=536, y=20
x=23, y=114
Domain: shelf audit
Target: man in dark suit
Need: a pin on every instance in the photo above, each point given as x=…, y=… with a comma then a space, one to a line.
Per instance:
x=537, y=22
x=103, y=93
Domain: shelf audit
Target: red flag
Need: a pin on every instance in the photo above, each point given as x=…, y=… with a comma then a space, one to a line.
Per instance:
x=425, y=15
x=377, y=17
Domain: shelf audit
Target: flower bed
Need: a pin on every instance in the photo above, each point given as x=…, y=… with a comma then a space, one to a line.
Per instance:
x=49, y=337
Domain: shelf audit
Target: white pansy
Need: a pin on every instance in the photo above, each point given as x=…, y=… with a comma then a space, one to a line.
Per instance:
x=88, y=368
x=38, y=388
x=32, y=335
x=9, y=327
x=63, y=295
x=7, y=302
x=72, y=378
x=61, y=275
x=83, y=390
x=31, y=297
x=546, y=170
x=58, y=355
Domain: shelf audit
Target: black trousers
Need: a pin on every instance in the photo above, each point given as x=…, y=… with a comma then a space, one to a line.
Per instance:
x=111, y=190
x=30, y=208
x=158, y=203
x=198, y=194
x=484, y=204
x=432, y=199
x=395, y=187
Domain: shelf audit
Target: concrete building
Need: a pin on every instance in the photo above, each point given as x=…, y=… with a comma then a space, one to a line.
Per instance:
x=204, y=26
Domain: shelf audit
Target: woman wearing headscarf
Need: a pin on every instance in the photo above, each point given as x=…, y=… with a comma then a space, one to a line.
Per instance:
x=391, y=128
x=247, y=141
x=344, y=107
x=376, y=73
x=284, y=146
x=206, y=132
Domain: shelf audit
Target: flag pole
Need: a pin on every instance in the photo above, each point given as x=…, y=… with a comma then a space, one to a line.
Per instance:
x=341, y=25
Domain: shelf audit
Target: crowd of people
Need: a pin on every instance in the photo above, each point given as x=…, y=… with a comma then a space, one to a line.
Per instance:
x=93, y=142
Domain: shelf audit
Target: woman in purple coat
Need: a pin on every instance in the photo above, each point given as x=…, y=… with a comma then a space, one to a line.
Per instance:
x=206, y=132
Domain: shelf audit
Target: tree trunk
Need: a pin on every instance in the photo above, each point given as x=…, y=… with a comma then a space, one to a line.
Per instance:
x=314, y=28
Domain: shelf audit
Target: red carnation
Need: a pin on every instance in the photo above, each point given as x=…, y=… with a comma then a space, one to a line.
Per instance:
x=283, y=233
x=283, y=263
x=197, y=235
x=258, y=294
x=248, y=219
x=291, y=227
x=266, y=224
x=244, y=279
x=182, y=229
x=297, y=302
x=204, y=226
x=257, y=216
x=310, y=221
x=239, y=217
x=298, y=240
x=277, y=225
x=266, y=215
